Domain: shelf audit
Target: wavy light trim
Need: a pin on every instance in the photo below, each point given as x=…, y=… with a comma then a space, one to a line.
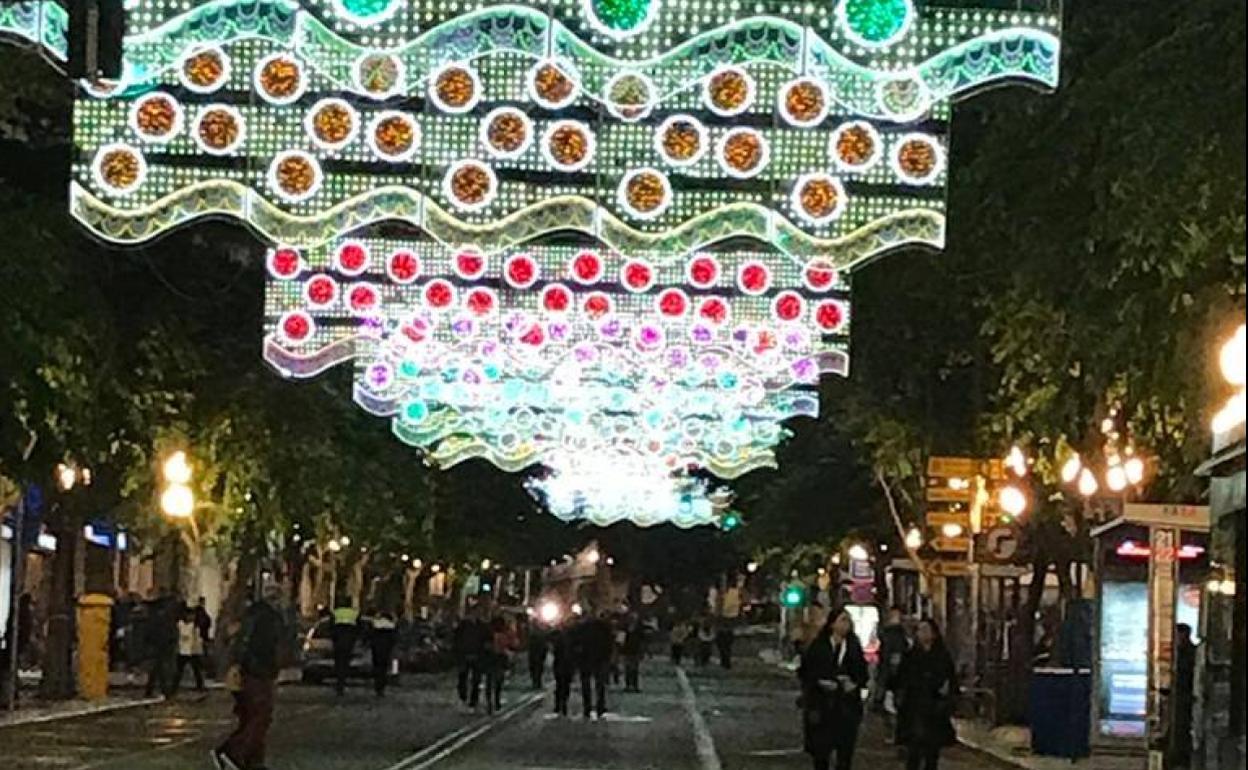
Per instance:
x=44, y=23
x=405, y=204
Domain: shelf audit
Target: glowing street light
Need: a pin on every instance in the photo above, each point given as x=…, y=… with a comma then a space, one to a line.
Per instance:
x=177, y=470
x=858, y=552
x=914, y=539
x=178, y=501
x=549, y=612
x=1013, y=501
x=593, y=557
x=752, y=567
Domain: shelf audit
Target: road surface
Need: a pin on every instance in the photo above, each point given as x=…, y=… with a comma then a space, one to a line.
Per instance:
x=700, y=720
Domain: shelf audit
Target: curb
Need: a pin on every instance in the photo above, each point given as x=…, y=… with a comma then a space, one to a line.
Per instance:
x=17, y=719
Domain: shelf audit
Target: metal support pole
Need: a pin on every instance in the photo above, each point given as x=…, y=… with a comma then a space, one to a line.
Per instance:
x=17, y=579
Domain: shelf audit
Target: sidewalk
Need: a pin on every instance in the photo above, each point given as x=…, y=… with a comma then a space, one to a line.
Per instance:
x=1012, y=745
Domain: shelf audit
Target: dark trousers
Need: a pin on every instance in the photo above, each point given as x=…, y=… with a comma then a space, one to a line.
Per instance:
x=594, y=690
x=495, y=677
x=471, y=672
x=160, y=674
x=632, y=673
x=563, y=691
x=537, y=670
x=678, y=654
x=922, y=757
x=704, y=653
x=342, y=667
x=844, y=751
x=196, y=663
x=725, y=651
x=381, y=670
x=254, y=708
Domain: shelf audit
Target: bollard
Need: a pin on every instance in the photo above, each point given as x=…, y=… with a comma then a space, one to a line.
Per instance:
x=94, y=620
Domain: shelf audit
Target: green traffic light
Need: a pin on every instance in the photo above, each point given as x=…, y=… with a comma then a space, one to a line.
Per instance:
x=793, y=597
x=730, y=522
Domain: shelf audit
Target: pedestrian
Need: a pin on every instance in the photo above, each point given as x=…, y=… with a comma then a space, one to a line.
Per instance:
x=593, y=643
x=618, y=632
x=537, y=645
x=1184, y=682
x=725, y=638
x=893, y=645
x=345, y=634
x=634, y=651
x=563, y=666
x=25, y=630
x=190, y=651
x=471, y=643
x=382, y=639
x=162, y=643
x=832, y=674
x=926, y=686
x=256, y=662
x=203, y=621
x=502, y=642
x=706, y=643
x=678, y=637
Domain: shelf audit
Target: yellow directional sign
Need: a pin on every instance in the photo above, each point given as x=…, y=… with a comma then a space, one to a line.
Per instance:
x=952, y=467
x=952, y=544
x=947, y=494
x=941, y=518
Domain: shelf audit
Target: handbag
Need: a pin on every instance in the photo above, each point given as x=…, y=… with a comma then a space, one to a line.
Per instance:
x=234, y=678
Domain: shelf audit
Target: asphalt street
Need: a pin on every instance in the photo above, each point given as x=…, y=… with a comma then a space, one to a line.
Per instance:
x=703, y=720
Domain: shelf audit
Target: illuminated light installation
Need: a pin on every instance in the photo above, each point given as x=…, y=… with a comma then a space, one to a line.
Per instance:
x=657, y=132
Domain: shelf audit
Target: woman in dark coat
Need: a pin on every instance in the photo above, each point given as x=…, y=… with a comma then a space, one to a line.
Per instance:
x=833, y=674
x=926, y=685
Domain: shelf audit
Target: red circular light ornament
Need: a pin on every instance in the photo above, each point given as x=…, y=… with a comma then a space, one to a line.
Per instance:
x=351, y=258
x=320, y=291
x=469, y=264
x=830, y=316
x=556, y=298
x=597, y=305
x=297, y=326
x=704, y=271
x=439, y=294
x=284, y=263
x=587, y=268
x=819, y=275
x=754, y=278
x=637, y=275
x=403, y=267
x=521, y=271
x=363, y=298
x=788, y=306
x=673, y=303
x=481, y=302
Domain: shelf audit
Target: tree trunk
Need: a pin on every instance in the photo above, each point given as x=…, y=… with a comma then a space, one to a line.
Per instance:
x=58, y=665
x=1013, y=706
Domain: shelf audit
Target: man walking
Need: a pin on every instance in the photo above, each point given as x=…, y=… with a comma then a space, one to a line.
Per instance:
x=162, y=643
x=538, y=642
x=564, y=664
x=190, y=651
x=725, y=638
x=382, y=639
x=1182, y=697
x=471, y=646
x=345, y=633
x=633, y=650
x=594, y=644
x=257, y=662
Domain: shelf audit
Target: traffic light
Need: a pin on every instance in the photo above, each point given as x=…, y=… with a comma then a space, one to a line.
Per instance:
x=730, y=521
x=793, y=596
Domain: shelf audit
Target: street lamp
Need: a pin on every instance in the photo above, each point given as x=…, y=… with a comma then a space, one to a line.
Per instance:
x=1013, y=501
x=1088, y=484
x=176, y=469
x=914, y=539
x=858, y=552
x=177, y=500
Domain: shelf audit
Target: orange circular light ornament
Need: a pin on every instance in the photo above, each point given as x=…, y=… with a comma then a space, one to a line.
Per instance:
x=119, y=169
x=280, y=79
x=818, y=198
x=729, y=91
x=681, y=140
x=156, y=117
x=219, y=129
x=506, y=133
x=743, y=153
x=204, y=70
x=568, y=145
x=554, y=84
x=918, y=158
x=332, y=124
x=804, y=102
x=295, y=176
x=645, y=193
x=455, y=88
x=470, y=185
x=856, y=146
x=393, y=136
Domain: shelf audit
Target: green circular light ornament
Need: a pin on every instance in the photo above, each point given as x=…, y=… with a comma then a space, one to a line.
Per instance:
x=875, y=23
x=620, y=18
x=366, y=12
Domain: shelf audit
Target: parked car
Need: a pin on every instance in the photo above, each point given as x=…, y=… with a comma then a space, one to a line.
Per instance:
x=423, y=649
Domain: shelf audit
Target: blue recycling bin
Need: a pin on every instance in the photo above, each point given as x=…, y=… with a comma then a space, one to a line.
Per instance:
x=1059, y=712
